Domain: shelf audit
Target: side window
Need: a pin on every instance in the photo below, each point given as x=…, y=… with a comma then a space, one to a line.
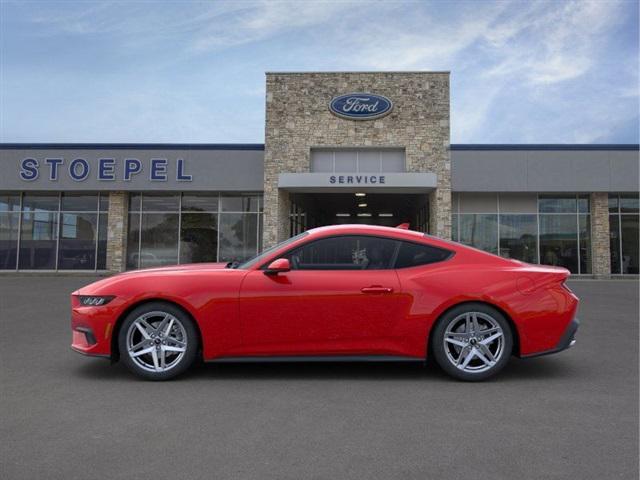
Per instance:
x=345, y=253
x=413, y=254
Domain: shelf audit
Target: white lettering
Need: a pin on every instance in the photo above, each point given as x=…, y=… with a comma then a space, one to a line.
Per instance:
x=354, y=104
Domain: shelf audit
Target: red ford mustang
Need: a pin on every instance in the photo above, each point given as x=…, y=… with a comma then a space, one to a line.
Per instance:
x=351, y=292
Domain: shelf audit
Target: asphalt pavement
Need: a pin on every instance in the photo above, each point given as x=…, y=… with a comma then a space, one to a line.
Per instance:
x=64, y=416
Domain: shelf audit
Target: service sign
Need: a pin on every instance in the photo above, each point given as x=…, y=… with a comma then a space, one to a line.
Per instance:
x=360, y=106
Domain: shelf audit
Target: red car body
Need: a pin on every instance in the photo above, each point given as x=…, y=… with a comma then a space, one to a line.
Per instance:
x=241, y=312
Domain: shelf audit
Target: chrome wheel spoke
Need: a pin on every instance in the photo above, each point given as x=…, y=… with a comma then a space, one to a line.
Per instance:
x=455, y=342
x=139, y=345
x=168, y=348
x=163, y=358
x=143, y=330
x=491, y=338
x=176, y=342
x=154, y=354
x=141, y=352
x=469, y=356
x=168, y=329
x=468, y=327
x=486, y=361
x=163, y=323
x=474, y=322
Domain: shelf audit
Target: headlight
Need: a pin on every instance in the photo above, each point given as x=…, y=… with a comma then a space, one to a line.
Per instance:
x=87, y=301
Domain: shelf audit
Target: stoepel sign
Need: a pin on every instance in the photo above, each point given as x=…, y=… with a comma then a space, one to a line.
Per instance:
x=360, y=106
x=107, y=169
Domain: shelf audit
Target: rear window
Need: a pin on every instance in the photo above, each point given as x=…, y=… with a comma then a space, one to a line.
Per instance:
x=413, y=254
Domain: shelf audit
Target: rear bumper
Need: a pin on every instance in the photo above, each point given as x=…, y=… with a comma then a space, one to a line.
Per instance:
x=566, y=341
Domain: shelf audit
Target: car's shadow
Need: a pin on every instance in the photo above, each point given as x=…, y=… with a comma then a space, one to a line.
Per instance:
x=516, y=371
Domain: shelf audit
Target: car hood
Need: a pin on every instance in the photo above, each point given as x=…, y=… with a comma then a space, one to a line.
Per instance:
x=101, y=286
x=183, y=267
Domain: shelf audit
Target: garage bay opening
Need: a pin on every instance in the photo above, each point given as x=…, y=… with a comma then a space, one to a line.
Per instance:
x=310, y=210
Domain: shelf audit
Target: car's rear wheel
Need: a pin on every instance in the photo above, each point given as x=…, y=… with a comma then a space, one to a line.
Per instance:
x=157, y=341
x=472, y=341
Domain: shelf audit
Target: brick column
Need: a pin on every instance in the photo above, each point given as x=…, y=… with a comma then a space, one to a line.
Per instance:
x=117, y=231
x=275, y=215
x=600, y=250
x=440, y=213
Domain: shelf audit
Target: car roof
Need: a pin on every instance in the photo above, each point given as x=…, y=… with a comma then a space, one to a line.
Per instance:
x=359, y=228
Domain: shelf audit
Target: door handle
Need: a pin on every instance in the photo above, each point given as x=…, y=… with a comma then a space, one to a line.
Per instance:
x=376, y=289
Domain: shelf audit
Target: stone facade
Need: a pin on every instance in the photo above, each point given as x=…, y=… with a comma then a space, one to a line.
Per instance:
x=298, y=119
x=600, y=247
x=117, y=231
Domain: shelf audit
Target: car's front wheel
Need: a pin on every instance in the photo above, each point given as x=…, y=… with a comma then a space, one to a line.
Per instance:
x=472, y=341
x=157, y=341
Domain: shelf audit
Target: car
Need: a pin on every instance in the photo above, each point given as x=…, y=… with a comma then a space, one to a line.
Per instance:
x=344, y=292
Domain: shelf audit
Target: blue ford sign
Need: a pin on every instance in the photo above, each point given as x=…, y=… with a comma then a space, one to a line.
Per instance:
x=360, y=106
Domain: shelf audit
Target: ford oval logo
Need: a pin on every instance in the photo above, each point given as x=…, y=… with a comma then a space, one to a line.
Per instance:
x=360, y=106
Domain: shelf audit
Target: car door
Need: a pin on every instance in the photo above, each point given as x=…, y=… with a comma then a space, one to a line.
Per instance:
x=340, y=297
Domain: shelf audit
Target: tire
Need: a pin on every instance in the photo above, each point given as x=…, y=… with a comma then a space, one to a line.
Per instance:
x=158, y=341
x=464, y=353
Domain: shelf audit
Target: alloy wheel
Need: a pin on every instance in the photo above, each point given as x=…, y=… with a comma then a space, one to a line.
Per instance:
x=474, y=342
x=156, y=341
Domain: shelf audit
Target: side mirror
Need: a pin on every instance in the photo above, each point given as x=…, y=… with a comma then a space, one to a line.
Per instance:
x=278, y=266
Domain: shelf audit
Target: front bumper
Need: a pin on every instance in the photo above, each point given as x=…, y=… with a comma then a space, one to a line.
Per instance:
x=567, y=340
x=91, y=329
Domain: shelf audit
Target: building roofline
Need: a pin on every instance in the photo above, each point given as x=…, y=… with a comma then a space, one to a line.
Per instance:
x=443, y=72
x=260, y=146
x=544, y=146
x=132, y=146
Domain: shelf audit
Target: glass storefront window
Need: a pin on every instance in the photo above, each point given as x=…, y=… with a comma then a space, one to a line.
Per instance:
x=159, y=239
x=584, y=235
x=192, y=227
x=629, y=241
x=629, y=204
x=160, y=202
x=40, y=201
x=38, y=239
x=454, y=227
x=238, y=236
x=519, y=237
x=79, y=202
x=9, y=224
x=78, y=246
x=9, y=202
x=559, y=241
x=557, y=204
x=198, y=237
x=614, y=241
x=103, y=229
x=583, y=204
x=53, y=231
x=78, y=235
x=239, y=203
x=133, y=240
x=200, y=202
x=623, y=233
x=479, y=231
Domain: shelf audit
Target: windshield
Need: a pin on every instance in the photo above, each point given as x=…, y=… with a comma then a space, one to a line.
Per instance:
x=260, y=257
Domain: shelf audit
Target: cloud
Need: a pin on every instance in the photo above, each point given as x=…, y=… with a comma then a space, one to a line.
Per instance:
x=254, y=22
x=521, y=71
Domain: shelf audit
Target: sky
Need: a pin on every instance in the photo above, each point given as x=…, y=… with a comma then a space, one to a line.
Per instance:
x=193, y=72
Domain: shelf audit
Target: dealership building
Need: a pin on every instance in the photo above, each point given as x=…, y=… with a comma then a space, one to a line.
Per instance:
x=340, y=147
